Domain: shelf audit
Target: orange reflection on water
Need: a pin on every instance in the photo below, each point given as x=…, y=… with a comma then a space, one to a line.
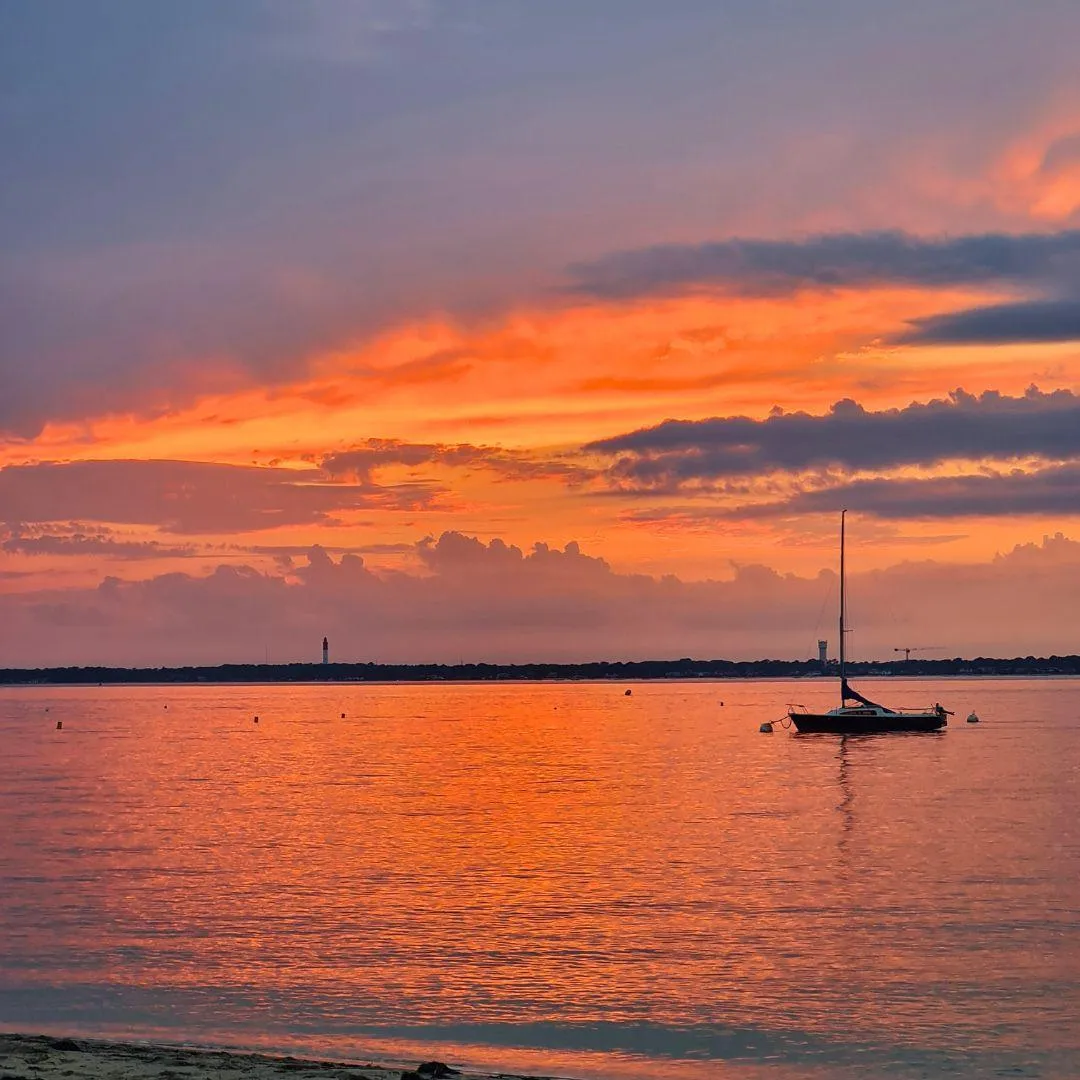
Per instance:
x=541, y=859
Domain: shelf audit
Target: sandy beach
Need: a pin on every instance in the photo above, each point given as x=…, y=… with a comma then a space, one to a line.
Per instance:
x=44, y=1057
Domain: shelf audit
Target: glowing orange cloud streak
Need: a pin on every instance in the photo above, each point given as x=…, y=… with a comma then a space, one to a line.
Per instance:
x=565, y=376
x=549, y=380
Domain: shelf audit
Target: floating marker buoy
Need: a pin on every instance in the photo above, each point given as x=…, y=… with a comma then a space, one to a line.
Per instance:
x=766, y=728
x=721, y=703
x=972, y=717
x=256, y=719
x=627, y=693
x=342, y=716
x=59, y=724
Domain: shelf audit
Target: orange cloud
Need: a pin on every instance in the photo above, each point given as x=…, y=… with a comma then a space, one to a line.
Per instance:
x=564, y=375
x=537, y=383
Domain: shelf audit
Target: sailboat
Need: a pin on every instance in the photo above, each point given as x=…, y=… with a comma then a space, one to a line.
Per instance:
x=858, y=715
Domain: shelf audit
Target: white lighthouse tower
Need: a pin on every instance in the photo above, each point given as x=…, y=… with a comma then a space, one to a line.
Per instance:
x=325, y=651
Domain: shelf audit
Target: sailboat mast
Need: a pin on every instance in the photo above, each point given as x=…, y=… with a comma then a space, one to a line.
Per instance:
x=842, y=632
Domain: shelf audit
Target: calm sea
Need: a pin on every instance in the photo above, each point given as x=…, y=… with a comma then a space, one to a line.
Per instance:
x=552, y=877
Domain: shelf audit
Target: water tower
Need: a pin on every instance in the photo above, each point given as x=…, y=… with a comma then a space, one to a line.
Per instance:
x=822, y=652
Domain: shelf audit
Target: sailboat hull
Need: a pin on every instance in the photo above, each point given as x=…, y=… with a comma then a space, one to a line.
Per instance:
x=868, y=723
x=867, y=717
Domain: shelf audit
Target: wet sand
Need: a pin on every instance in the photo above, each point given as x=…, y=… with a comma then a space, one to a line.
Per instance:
x=43, y=1057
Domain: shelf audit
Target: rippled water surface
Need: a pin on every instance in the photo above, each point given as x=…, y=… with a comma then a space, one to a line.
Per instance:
x=549, y=877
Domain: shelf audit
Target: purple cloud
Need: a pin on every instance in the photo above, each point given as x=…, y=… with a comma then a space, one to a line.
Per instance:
x=838, y=260
x=186, y=497
x=360, y=460
x=1034, y=321
x=496, y=602
x=848, y=437
x=1053, y=491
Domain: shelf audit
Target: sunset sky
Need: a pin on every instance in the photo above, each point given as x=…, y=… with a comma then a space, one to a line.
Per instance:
x=521, y=330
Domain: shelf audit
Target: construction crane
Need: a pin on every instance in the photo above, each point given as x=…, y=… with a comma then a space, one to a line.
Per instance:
x=918, y=648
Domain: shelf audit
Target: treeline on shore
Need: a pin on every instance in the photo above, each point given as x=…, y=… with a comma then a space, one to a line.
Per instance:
x=593, y=670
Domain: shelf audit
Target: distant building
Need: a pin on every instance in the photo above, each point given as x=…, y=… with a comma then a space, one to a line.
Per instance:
x=822, y=652
x=325, y=651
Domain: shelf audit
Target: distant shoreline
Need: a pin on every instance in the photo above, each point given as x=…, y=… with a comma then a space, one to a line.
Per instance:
x=594, y=671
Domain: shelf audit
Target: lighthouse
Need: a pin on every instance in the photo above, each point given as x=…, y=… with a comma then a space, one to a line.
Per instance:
x=325, y=651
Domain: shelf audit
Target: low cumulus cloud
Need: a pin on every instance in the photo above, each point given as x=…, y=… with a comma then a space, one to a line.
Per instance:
x=188, y=497
x=495, y=602
x=848, y=437
x=840, y=260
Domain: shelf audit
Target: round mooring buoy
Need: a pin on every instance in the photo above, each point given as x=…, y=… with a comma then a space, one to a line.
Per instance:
x=766, y=728
x=972, y=717
x=59, y=725
x=256, y=719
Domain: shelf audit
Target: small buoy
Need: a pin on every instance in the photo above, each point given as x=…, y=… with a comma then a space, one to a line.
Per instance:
x=342, y=716
x=627, y=693
x=721, y=703
x=256, y=719
x=46, y=708
x=972, y=717
x=766, y=728
x=59, y=724
x=166, y=706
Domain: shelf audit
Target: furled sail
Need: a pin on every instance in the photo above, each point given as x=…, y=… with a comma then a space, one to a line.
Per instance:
x=848, y=694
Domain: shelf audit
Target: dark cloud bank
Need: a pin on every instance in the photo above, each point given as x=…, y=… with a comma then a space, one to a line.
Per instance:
x=493, y=602
x=1034, y=322
x=1044, y=264
x=1053, y=491
x=781, y=267
x=686, y=454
